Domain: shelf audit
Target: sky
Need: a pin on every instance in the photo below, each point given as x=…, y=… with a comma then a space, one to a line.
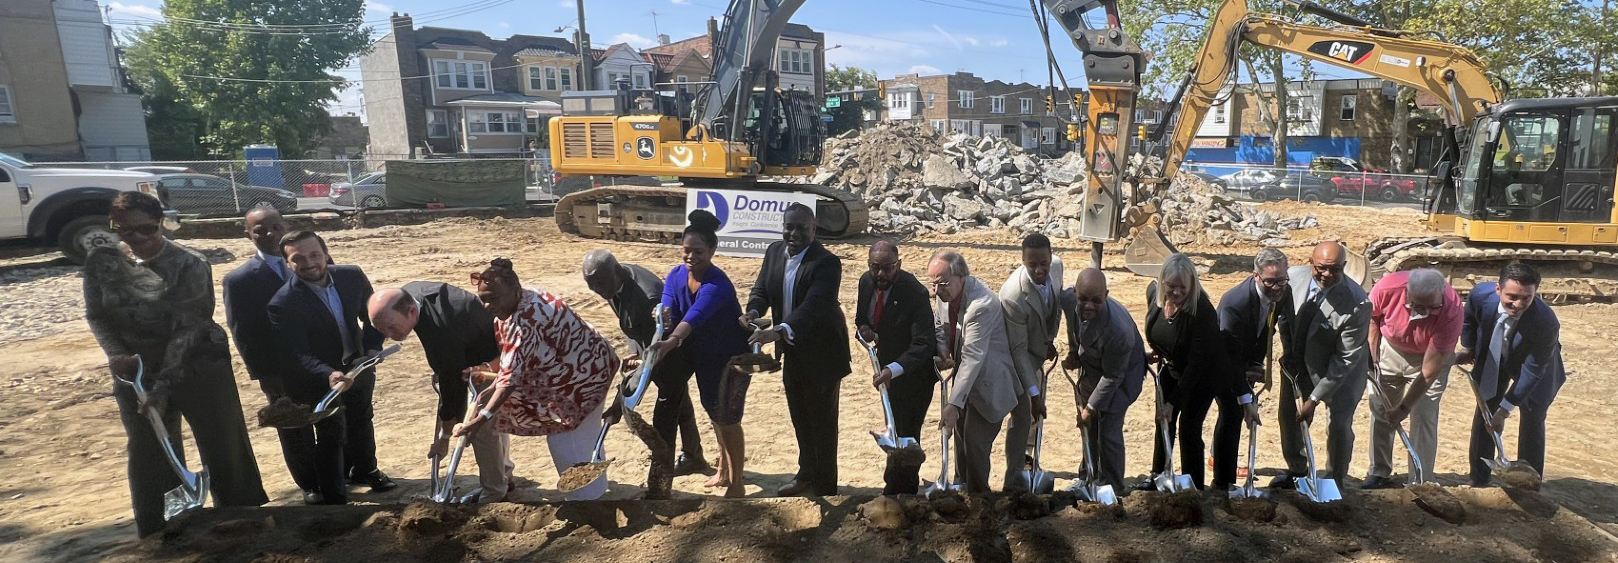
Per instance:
x=994, y=39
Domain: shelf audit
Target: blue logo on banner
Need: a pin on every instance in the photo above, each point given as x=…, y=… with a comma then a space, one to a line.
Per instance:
x=716, y=204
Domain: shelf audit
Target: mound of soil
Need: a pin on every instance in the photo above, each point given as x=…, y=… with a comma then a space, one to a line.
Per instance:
x=841, y=529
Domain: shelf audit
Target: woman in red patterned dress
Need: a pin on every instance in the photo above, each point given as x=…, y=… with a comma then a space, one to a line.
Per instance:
x=553, y=376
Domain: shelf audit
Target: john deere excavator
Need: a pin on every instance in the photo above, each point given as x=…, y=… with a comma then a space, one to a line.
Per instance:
x=738, y=128
x=1525, y=179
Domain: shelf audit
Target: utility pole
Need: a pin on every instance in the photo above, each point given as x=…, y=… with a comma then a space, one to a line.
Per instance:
x=586, y=60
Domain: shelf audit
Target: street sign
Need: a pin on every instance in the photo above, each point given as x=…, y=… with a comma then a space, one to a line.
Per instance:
x=834, y=102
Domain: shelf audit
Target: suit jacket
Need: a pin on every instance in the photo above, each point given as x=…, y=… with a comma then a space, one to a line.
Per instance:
x=1333, y=335
x=1110, y=352
x=248, y=290
x=1532, y=366
x=1241, y=319
x=456, y=333
x=819, y=345
x=641, y=293
x=985, y=374
x=310, y=337
x=1032, y=322
x=905, y=333
x=1199, y=358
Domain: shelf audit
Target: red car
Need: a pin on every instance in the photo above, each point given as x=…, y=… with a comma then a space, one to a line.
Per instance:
x=1383, y=187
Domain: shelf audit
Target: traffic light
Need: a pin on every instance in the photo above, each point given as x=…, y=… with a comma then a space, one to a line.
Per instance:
x=1141, y=132
x=1073, y=132
x=881, y=91
x=1050, y=104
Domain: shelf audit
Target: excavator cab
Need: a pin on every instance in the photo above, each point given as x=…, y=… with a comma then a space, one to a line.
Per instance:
x=790, y=136
x=1540, y=171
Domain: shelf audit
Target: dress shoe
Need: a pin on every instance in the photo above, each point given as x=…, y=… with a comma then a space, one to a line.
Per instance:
x=794, y=489
x=313, y=498
x=1146, y=484
x=1284, y=481
x=688, y=464
x=1378, y=482
x=377, y=480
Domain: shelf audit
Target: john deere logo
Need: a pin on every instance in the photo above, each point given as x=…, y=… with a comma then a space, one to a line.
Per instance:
x=715, y=203
x=645, y=148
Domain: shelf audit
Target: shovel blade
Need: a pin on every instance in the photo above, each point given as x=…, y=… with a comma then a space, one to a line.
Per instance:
x=1104, y=495
x=189, y=495
x=580, y=475
x=1042, y=482
x=1320, y=490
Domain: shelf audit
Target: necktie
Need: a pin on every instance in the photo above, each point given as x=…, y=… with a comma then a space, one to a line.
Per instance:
x=1269, y=329
x=1497, y=354
x=954, y=326
x=876, y=309
x=787, y=286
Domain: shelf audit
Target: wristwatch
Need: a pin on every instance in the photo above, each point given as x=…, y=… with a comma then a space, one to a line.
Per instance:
x=486, y=414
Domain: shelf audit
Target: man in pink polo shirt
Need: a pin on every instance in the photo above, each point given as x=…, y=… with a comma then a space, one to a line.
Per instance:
x=1415, y=324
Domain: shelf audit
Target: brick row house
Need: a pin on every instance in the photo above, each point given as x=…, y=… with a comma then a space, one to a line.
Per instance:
x=964, y=103
x=800, y=58
x=1345, y=117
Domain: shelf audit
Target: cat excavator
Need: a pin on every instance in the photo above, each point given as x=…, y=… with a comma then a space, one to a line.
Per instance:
x=1526, y=179
x=735, y=130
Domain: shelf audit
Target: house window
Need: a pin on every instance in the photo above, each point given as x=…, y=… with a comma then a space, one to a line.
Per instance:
x=437, y=123
x=1297, y=110
x=899, y=100
x=997, y=104
x=1350, y=103
x=613, y=78
x=681, y=79
x=1157, y=116
x=8, y=113
x=640, y=81
x=1219, y=113
x=1025, y=106
x=797, y=61
x=476, y=122
x=967, y=99
x=931, y=98
x=494, y=122
x=461, y=75
x=550, y=78
x=1047, y=135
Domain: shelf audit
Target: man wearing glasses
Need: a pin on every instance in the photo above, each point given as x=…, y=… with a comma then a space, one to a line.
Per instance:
x=1326, y=355
x=1249, y=315
x=1415, y=325
x=894, y=313
x=1107, y=349
x=971, y=334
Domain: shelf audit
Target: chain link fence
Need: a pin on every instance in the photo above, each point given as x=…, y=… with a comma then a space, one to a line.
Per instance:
x=215, y=188
x=1343, y=187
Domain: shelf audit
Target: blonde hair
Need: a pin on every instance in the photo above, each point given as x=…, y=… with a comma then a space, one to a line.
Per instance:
x=1179, y=267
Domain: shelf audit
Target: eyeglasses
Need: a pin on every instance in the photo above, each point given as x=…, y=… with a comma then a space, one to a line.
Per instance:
x=478, y=280
x=883, y=267
x=1423, y=308
x=1274, y=283
x=1335, y=268
x=940, y=284
x=146, y=230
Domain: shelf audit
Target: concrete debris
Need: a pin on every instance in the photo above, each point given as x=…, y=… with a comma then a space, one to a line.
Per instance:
x=916, y=180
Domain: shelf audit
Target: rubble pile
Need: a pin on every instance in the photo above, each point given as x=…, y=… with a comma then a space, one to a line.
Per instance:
x=916, y=180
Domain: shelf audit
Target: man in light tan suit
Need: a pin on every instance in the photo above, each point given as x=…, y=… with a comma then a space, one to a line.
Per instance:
x=972, y=333
x=1033, y=315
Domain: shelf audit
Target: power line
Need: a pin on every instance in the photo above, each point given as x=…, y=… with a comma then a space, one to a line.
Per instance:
x=969, y=8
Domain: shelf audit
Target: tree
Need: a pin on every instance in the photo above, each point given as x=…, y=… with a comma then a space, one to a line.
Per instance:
x=222, y=74
x=839, y=78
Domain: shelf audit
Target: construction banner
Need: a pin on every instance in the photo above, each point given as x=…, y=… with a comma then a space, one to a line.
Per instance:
x=748, y=220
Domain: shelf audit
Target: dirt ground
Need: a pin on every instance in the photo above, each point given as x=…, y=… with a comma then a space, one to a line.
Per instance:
x=66, y=500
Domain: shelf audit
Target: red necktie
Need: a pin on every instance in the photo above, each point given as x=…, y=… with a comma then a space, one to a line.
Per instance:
x=876, y=313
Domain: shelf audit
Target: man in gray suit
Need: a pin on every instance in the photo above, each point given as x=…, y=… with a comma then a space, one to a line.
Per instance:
x=1324, y=350
x=971, y=331
x=1106, y=348
x=1033, y=315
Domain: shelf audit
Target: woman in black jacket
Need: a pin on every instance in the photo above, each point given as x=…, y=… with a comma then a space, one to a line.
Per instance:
x=1182, y=330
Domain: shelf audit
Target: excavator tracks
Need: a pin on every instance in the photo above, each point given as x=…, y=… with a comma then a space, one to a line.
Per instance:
x=657, y=213
x=1569, y=274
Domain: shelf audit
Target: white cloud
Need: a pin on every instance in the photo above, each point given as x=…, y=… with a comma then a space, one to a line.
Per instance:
x=925, y=70
x=504, y=25
x=569, y=4
x=680, y=2
x=999, y=43
x=635, y=40
x=135, y=10
x=374, y=6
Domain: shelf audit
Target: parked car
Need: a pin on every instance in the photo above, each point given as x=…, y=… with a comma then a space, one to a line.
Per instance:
x=1211, y=179
x=370, y=191
x=1243, y=181
x=161, y=169
x=1378, y=186
x=1296, y=186
x=63, y=206
x=206, y=194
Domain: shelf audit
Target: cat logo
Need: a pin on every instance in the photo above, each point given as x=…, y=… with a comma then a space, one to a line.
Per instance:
x=1351, y=52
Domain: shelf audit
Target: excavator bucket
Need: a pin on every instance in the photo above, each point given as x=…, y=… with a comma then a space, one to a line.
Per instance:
x=1146, y=252
x=1358, y=268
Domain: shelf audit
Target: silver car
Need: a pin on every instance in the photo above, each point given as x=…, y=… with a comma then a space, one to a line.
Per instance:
x=370, y=191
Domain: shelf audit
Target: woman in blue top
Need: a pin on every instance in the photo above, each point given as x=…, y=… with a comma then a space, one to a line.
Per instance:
x=703, y=300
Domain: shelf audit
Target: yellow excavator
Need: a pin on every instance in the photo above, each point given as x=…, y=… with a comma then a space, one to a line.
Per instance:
x=738, y=128
x=1525, y=179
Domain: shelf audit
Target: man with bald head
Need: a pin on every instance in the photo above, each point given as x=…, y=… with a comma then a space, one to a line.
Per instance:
x=1415, y=325
x=892, y=310
x=247, y=293
x=1325, y=353
x=633, y=293
x=1106, y=348
x=971, y=333
x=456, y=333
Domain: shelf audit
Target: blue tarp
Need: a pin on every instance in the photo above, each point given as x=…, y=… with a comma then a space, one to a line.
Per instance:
x=1256, y=150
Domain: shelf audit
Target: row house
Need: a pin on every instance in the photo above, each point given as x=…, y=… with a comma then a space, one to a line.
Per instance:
x=964, y=103
x=799, y=58
x=63, y=92
x=1346, y=117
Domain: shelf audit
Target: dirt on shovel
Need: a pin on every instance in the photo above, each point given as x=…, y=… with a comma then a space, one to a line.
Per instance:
x=660, y=477
x=1251, y=509
x=1519, y=475
x=283, y=413
x=1436, y=501
x=1173, y=510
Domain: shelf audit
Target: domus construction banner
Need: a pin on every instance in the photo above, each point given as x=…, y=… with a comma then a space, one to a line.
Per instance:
x=748, y=220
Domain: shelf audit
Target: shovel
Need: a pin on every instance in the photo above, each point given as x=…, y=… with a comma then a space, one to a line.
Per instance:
x=945, y=480
x=1313, y=487
x=1087, y=487
x=1169, y=480
x=1513, y=473
x=275, y=414
x=580, y=474
x=1247, y=490
x=1038, y=480
x=1416, y=465
x=193, y=489
x=902, y=450
x=443, y=491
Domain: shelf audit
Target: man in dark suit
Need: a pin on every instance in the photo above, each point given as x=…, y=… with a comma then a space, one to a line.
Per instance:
x=321, y=323
x=1104, y=344
x=1249, y=315
x=798, y=284
x=248, y=290
x=894, y=310
x=456, y=333
x=1325, y=351
x=1515, y=340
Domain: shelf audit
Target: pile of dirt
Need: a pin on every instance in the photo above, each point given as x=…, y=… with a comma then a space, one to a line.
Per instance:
x=1380, y=526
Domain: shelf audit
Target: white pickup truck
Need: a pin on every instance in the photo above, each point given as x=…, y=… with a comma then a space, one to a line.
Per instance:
x=63, y=206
